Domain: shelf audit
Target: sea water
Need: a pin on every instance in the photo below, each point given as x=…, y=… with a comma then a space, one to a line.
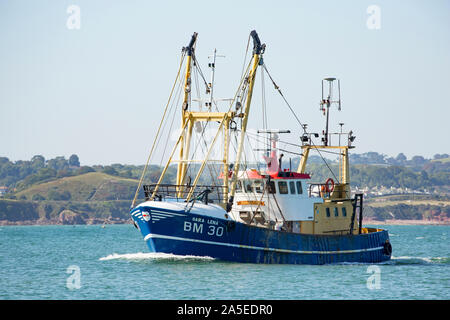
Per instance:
x=112, y=262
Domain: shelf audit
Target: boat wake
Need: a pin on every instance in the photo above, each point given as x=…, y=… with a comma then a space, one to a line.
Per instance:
x=407, y=260
x=154, y=256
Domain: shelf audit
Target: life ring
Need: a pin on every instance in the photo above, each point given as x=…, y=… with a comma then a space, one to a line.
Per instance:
x=329, y=183
x=387, y=248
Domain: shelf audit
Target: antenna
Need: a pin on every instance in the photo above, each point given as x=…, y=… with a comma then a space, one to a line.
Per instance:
x=340, y=134
x=326, y=103
x=210, y=88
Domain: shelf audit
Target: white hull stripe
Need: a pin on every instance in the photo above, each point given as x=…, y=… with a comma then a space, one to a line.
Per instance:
x=156, y=215
x=166, y=213
x=153, y=235
x=160, y=215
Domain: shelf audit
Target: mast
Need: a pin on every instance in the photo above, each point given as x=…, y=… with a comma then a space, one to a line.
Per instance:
x=258, y=50
x=185, y=143
x=327, y=102
x=189, y=119
x=342, y=190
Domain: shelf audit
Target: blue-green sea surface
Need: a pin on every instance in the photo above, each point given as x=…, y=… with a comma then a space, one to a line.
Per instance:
x=91, y=262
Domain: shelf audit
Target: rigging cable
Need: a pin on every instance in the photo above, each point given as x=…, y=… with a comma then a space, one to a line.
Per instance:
x=157, y=133
x=197, y=70
x=242, y=82
x=201, y=137
x=245, y=57
x=177, y=94
x=269, y=145
x=197, y=66
x=290, y=143
x=298, y=120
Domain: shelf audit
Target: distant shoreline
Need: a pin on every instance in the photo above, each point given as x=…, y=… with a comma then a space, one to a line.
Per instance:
x=366, y=221
x=59, y=223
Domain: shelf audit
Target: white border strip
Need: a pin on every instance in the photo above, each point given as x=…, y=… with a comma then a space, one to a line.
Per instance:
x=166, y=212
x=153, y=235
x=160, y=215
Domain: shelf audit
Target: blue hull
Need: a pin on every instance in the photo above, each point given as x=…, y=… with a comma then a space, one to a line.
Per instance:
x=183, y=233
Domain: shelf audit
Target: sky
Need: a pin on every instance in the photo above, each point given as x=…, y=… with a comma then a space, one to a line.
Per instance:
x=99, y=90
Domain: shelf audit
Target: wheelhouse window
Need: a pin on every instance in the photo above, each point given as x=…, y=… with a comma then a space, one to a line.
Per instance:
x=344, y=211
x=271, y=187
x=259, y=186
x=292, y=187
x=282, y=186
x=299, y=187
x=328, y=212
x=336, y=212
x=248, y=186
x=238, y=186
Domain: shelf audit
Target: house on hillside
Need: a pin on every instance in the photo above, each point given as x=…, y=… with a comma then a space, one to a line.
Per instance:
x=3, y=190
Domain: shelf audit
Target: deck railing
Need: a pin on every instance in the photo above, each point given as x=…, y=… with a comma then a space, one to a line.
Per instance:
x=173, y=192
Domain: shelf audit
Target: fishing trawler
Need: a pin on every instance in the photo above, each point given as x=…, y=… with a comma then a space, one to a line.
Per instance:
x=258, y=214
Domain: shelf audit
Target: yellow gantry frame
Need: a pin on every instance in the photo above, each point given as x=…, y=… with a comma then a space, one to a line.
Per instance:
x=190, y=118
x=251, y=79
x=344, y=172
x=185, y=144
x=187, y=123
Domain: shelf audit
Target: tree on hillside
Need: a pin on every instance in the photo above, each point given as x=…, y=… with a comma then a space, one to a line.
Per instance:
x=74, y=161
x=55, y=195
x=85, y=169
x=3, y=160
x=58, y=163
x=375, y=157
x=418, y=161
x=110, y=170
x=43, y=174
x=63, y=173
x=37, y=197
x=38, y=162
x=367, y=158
x=391, y=161
x=440, y=156
x=401, y=158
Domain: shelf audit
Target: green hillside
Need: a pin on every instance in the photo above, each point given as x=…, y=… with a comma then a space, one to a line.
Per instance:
x=60, y=191
x=93, y=197
x=63, y=212
x=92, y=186
x=444, y=160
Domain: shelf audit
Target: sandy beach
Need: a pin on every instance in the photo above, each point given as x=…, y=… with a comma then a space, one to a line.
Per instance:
x=369, y=221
